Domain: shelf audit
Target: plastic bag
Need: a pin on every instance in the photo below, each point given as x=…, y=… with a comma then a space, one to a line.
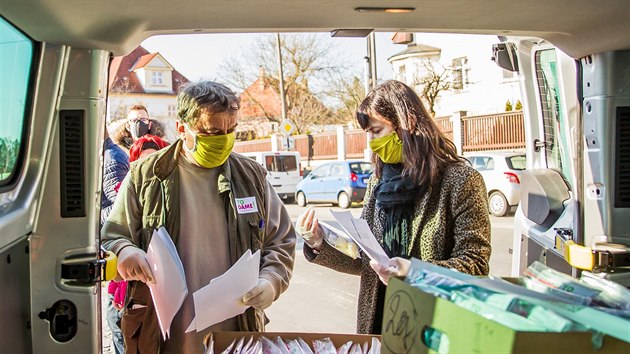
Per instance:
x=324, y=346
x=339, y=240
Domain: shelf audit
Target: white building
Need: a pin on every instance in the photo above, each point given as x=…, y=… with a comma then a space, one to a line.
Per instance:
x=477, y=85
x=143, y=78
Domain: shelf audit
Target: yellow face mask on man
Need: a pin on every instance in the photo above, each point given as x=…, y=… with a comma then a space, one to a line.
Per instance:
x=211, y=150
x=388, y=148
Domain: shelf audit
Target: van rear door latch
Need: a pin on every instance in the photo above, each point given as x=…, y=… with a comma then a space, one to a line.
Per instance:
x=88, y=269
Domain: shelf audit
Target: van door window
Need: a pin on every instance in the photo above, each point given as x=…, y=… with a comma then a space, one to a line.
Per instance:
x=16, y=60
x=555, y=128
x=281, y=163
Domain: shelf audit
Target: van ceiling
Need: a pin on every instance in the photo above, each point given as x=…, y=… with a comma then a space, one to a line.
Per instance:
x=578, y=27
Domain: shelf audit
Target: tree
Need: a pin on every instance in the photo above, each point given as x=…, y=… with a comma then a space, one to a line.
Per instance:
x=508, y=106
x=9, y=149
x=350, y=92
x=518, y=106
x=309, y=63
x=433, y=81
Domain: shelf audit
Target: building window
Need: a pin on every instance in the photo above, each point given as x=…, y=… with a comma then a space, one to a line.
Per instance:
x=459, y=69
x=157, y=78
x=402, y=73
x=172, y=110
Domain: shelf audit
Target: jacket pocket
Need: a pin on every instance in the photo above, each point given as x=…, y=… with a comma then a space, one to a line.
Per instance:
x=257, y=230
x=139, y=324
x=131, y=324
x=150, y=223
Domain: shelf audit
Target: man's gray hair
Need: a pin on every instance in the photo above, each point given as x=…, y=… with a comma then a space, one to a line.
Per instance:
x=205, y=95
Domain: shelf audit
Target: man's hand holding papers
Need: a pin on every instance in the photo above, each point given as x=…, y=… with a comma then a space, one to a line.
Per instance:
x=261, y=296
x=222, y=297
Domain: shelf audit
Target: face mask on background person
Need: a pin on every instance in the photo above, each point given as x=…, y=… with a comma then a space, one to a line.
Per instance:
x=388, y=148
x=211, y=150
x=139, y=128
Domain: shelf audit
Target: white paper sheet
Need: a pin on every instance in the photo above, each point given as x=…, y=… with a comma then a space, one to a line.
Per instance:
x=359, y=231
x=221, y=298
x=170, y=288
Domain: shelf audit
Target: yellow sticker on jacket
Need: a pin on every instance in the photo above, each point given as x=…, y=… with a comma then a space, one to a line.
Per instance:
x=246, y=205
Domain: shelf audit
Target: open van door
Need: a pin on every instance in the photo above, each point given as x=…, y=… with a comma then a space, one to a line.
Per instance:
x=574, y=213
x=53, y=104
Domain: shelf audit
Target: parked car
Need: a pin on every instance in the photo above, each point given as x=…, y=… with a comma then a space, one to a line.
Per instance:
x=339, y=182
x=501, y=172
x=283, y=169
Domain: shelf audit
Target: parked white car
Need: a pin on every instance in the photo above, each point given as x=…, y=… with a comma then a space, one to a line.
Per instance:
x=501, y=172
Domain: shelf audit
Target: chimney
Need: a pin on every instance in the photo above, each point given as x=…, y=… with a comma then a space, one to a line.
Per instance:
x=261, y=78
x=402, y=38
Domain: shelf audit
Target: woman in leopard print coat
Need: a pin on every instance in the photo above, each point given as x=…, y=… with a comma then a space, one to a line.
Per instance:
x=422, y=201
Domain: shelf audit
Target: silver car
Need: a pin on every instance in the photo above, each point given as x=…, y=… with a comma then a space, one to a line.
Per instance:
x=501, y=172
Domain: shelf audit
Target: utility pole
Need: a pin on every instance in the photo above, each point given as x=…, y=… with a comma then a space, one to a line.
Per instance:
x=281, y=79
x=371, y=44
x=370, y=81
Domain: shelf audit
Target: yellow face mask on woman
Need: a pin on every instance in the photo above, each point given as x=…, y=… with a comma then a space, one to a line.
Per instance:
x=211, y=150
x=388, y=148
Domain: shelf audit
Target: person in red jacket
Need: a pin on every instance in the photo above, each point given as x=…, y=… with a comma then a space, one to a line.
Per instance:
x=145, y=145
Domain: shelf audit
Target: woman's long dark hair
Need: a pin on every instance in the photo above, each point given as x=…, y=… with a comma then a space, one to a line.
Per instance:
x=426, y=151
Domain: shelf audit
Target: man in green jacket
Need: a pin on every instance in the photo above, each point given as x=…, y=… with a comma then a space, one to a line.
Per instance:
x=215, y=204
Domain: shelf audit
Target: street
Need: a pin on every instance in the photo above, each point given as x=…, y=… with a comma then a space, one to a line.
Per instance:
x=320, y=300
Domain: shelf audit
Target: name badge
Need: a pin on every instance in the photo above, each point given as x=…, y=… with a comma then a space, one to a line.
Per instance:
x=246, y=205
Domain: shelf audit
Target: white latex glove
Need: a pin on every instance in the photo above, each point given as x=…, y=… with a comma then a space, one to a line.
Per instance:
x=133, y=265
x=309, y=229
x=261, y=296
x=398, y=267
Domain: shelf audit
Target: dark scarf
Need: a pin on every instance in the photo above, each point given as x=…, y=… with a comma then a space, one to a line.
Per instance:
x=395, y=198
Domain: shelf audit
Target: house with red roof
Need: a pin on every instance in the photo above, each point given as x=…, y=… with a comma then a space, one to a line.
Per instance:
x=261, y=108
x=147, y=79
x=260, y=105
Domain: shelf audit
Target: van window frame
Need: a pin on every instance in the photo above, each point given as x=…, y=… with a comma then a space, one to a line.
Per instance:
x=11, y=181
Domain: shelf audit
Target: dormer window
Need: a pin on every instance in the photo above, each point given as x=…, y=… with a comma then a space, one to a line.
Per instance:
x=459, y=72
x=157, y=78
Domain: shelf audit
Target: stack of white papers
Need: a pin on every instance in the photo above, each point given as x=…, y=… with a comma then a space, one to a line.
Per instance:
x=169, y=290
x=359, y=231
x=221, y=298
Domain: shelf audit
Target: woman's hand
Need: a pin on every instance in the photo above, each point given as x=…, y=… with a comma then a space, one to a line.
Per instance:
x=398, y=267
x=309, y=229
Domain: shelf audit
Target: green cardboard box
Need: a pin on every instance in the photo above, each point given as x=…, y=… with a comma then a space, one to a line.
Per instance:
x=409, y=313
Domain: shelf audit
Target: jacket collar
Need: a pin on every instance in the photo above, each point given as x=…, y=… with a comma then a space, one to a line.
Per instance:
x=166, y=160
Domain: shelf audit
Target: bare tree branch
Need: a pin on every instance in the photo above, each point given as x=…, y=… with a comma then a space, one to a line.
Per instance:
x=433, y=81
x=309, y=63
